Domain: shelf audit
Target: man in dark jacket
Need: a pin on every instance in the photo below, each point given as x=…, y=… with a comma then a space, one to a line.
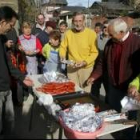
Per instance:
x=121, y=61
x=44, y=39
x=44, y=35
x=39, y=26
x=8, y=18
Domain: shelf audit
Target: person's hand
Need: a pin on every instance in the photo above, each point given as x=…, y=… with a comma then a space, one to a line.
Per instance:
x=42, y=62
x=132, y=91
x=80, y=64
x=62, y=59
x=90, y=80
x=21, y=48
x=137, y=97
x=9, y=43
x=29, y=53
x=36, y=51
x=28, y=82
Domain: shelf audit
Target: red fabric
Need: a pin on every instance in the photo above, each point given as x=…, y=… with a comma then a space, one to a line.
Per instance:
x=38, y=45
x=51, y=24
x=18, y=61
x=116, y=57
x=19, y=42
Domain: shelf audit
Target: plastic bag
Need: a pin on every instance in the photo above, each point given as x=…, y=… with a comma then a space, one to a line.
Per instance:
x=128, y=103
x=53, y=77
x=45, y=99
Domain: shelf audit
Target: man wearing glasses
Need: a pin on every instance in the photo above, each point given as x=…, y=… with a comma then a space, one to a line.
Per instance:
x=8, y=19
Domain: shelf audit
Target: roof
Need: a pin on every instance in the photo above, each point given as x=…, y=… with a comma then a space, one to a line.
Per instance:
x=72, y=8
x=112, y=6
x=135, y=14
x=62, y=2
x=66, y=14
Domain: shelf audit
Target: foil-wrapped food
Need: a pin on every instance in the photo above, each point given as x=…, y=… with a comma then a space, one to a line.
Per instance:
x=82, y=118
x=68, y=62
x=53, y=77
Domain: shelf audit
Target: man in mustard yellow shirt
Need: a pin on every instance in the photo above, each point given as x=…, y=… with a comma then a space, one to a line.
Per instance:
x=80, y=42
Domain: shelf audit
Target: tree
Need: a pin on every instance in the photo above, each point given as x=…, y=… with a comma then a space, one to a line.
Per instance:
x=27, y=11
x=137, y=4
x=133, y=3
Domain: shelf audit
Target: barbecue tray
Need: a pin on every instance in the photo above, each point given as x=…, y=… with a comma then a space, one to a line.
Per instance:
x=39, y=80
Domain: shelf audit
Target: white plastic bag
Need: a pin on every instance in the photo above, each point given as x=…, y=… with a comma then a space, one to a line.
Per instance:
x=53, y=109
x=129, y=103
x=45, y=99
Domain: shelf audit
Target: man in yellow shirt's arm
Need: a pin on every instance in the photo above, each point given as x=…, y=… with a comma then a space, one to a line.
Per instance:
x=80, y=42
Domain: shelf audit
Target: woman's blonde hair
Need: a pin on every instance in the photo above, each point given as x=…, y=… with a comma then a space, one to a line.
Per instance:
x=26, y=25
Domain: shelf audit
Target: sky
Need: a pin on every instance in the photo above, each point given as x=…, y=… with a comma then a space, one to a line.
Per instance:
x=81, y=2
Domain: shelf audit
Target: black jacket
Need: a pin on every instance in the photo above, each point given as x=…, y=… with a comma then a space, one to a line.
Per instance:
x=7, y=68
x=36, y=31
x=43, y=37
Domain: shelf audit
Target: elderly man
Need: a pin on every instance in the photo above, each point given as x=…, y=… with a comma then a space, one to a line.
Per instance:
x=81, y=45
x=120, y=60
x=8, y=18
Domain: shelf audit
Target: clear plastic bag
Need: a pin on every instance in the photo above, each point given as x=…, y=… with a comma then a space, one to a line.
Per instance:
x=53, y=77
x=129, y=103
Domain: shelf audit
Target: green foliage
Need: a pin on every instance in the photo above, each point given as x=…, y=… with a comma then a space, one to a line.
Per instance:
x=123, y=13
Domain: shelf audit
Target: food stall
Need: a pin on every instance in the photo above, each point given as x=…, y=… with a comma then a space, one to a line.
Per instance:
x=67, y=99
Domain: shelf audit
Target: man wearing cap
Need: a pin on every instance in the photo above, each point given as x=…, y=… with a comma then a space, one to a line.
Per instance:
x=44, y=39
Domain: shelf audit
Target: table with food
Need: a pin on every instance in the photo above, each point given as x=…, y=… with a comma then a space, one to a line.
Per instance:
x=74, y=109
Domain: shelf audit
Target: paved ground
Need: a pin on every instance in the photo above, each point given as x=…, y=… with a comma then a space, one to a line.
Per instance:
x=41, y=123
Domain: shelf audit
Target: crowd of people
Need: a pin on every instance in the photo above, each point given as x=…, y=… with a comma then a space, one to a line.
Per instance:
x=107, y=54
